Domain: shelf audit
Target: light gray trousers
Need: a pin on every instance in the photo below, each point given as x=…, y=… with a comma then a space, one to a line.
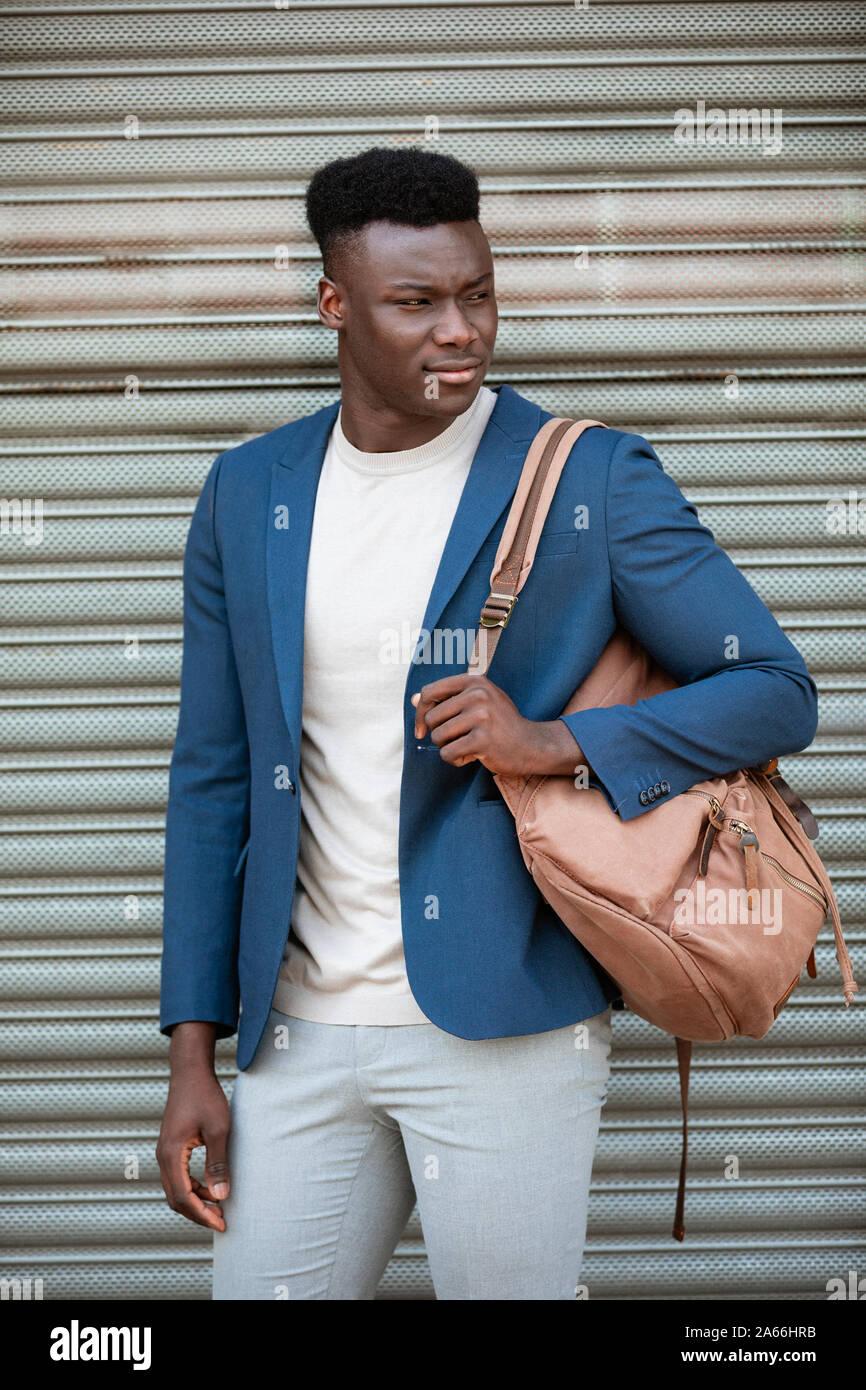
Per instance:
x=337, y=1128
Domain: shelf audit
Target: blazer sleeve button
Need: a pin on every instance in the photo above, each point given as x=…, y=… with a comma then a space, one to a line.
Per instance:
x=643, y=799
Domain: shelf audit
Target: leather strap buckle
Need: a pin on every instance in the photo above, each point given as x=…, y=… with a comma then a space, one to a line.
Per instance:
x=498, y=615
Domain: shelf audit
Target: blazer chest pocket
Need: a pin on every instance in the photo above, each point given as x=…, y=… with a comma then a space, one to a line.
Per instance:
x=549, y=543
x=557, y=543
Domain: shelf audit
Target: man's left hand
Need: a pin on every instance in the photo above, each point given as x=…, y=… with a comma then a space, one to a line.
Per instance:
x=470, y=719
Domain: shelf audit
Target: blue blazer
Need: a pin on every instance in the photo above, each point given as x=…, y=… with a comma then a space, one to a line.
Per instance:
x=621, y=543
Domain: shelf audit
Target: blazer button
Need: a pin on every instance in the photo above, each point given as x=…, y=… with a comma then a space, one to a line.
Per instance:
x=658, y=789
x=651, y=793
x=644, y=799
x=665, y=786
x=292, y=788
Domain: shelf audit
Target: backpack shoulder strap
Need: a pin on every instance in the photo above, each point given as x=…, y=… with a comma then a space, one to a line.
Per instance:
x=542, y=468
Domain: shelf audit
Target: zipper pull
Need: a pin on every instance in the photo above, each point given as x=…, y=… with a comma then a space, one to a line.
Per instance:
x=748, y=843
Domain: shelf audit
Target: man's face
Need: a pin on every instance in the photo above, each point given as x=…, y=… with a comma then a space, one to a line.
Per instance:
x=416, y=316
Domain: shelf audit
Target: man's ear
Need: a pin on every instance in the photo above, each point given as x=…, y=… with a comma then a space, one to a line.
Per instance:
x=329, y=303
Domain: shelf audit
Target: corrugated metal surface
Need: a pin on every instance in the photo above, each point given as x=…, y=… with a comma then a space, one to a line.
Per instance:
x=152, y=176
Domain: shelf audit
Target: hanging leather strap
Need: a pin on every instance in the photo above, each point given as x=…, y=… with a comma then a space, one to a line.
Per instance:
x=790, y=797
x=768, y=786
x=684, y=1061
x=542, y=468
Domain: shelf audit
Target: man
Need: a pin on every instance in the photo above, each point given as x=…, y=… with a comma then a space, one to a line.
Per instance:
x=416, y=1023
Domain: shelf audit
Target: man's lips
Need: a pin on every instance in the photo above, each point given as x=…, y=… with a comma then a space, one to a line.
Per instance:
x=456, y=373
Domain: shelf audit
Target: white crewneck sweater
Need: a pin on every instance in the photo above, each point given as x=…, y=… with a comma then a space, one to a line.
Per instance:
x=379, y=528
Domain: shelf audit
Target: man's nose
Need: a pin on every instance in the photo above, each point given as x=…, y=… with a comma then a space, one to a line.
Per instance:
x=454, y=327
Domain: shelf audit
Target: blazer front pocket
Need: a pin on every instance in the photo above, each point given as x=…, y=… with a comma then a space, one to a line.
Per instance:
x=488, y=792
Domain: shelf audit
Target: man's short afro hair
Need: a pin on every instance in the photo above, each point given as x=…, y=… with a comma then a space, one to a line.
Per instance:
x=412, y=186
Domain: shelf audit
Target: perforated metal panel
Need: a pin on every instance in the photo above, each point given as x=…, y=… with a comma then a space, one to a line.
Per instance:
x=709, y=296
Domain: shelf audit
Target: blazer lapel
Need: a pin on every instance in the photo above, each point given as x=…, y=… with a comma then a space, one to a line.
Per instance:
x=294, y=482
x=488, y=490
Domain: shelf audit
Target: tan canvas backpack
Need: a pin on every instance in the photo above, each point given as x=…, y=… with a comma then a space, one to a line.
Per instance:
x=705, y=909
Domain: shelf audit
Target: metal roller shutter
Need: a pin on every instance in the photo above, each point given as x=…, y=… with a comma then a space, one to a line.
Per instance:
x=159, y=301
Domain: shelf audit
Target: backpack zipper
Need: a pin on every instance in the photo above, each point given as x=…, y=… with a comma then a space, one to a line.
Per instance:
x=713, y=800
x=796, y=882
x=739, y=827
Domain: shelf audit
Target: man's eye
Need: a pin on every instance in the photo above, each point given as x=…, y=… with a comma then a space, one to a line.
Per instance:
x=412, y=301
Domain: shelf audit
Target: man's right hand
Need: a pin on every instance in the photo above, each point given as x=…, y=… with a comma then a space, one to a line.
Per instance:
x=196, y=1113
